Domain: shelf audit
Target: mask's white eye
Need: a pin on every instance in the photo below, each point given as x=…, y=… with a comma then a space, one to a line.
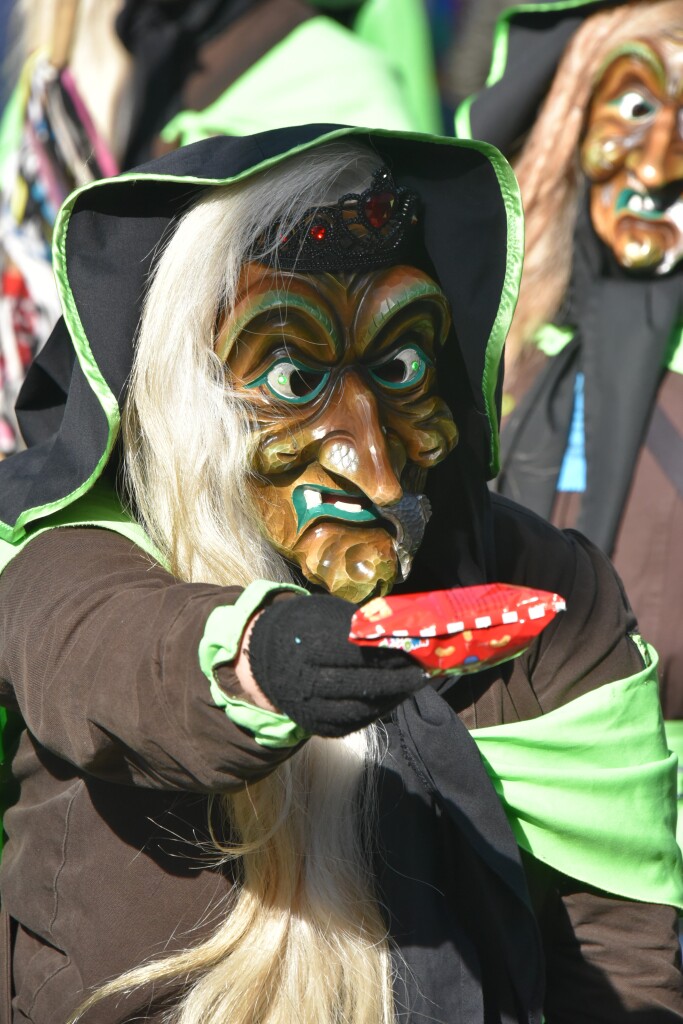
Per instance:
x=293, y=382
x=405, y=368
x=633, y=106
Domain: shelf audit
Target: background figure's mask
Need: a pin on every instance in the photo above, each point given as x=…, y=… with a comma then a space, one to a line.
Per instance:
x=632, y=154
x=338, y=373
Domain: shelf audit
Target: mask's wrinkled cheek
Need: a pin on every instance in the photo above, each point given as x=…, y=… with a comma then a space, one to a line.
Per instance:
x=604, y=150
x=426, y=430
x=277, y=449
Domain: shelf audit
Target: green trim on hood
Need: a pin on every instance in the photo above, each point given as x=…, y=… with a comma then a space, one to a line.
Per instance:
x=463, y=128
x=99, y=508
x=499, y=55
x=674, y=739
x=674, y=356
x=508, y=300
x=107, y=400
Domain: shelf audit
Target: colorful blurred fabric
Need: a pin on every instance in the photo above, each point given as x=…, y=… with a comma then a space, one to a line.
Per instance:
x=48, y=147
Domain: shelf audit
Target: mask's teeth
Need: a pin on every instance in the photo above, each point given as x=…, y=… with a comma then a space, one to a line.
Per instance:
x=313, y=498
x=348, y=506
x=635, y=203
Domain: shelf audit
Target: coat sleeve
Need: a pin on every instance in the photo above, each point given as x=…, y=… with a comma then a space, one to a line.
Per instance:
x=99, y=651
x=608, y=959
x=611, y=960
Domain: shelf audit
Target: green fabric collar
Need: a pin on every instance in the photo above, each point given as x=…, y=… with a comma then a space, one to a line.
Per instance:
x=591, y=789
x=100, y=508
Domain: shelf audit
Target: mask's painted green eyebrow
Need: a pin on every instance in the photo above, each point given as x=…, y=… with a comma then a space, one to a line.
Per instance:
x=639, y=51
x=416, y=291
x=278, y=299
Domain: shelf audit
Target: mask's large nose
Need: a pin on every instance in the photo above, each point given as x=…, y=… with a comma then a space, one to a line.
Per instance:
x=659, y=160
x=355, y=446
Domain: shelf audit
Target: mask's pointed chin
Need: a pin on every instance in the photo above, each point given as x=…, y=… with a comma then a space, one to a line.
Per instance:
x=353, y=562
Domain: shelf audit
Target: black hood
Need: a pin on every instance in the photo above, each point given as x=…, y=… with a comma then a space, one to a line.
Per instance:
x=104, y=244
x=528, y=43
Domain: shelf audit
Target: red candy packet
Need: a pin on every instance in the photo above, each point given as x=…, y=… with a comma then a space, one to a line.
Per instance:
x=461, y=630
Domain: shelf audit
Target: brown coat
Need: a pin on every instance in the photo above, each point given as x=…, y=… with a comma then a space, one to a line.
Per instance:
x=124, y=744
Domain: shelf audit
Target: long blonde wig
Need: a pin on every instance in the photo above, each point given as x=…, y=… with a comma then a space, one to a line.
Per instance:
x=303, y=939
x=548, y=167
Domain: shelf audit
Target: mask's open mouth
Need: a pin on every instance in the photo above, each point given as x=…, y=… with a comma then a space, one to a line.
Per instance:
x=313, y=502
x=650, y=204
x=405, y=520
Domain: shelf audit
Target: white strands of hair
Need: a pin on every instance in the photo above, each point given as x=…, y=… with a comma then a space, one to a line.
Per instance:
x=311, y=941
x=548, y=167
x=303, y=941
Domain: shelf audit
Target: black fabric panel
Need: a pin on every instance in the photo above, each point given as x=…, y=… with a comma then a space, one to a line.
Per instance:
x=504, y=112
x=535, y=436
x=623, y=321
x=482, y=894
x=626, y=324
x=164, y=37
x=53, y=468
x=223, y=156
x=110, y=245
x=40, y=404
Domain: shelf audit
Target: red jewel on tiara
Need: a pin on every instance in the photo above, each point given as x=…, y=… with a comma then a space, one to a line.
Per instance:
x=379, y=208
x=365, y=230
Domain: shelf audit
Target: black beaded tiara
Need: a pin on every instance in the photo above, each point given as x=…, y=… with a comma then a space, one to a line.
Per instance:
x=360, y=232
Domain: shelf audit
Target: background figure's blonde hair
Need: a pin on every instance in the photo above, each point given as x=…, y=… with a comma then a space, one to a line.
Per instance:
x=99, y=62
x=303, y=939
x=548, y=167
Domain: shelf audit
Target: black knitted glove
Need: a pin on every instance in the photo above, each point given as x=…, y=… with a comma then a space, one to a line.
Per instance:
x=301, y=658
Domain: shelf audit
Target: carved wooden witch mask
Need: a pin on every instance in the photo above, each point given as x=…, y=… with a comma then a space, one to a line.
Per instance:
x=337, y=370
x=632, y=153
